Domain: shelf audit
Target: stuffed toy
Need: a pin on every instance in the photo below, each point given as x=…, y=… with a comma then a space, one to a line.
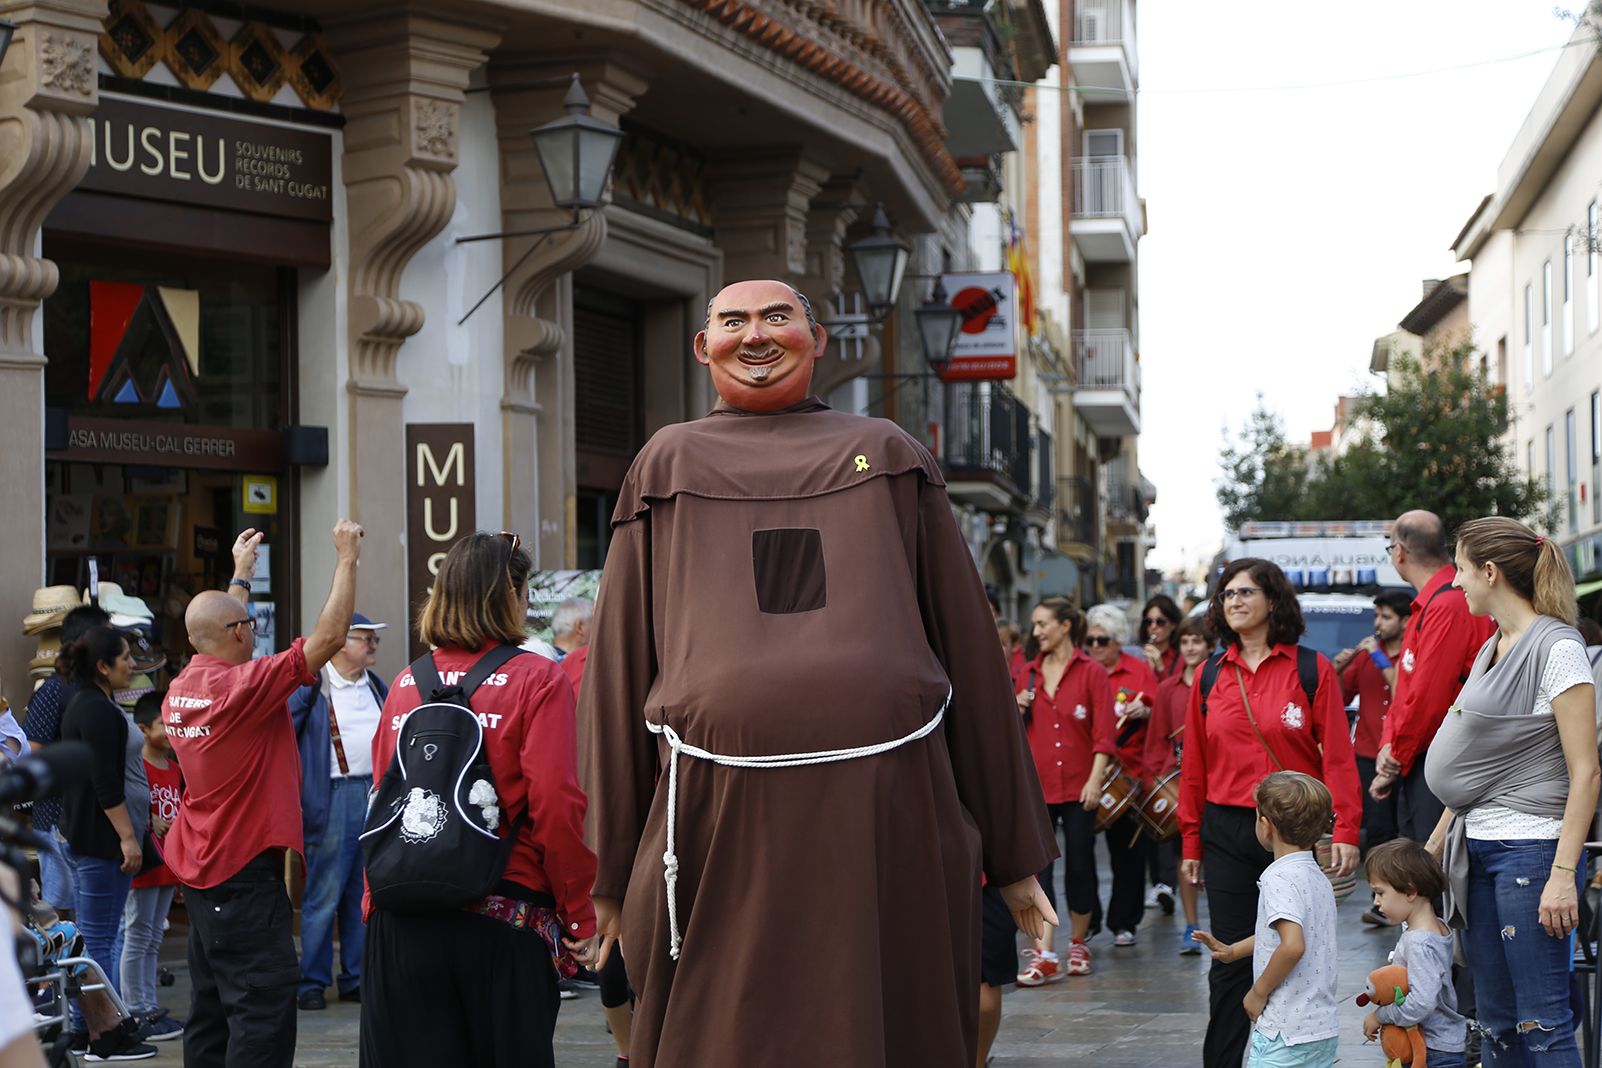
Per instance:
x=1401, y=1045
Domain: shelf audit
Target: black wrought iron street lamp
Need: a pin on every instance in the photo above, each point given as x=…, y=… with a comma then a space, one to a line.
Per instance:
x=6, y=30
x=881, y=261
x=576, y=154
x=939, y=324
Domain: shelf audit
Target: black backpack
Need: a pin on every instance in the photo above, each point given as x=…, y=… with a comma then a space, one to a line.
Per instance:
x=1306, y=671
x=433, y=838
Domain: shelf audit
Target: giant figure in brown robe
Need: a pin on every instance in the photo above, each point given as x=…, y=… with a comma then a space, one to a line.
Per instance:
x=783, y=581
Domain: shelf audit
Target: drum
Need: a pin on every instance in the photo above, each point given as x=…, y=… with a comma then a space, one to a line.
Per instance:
x=1119, y=794
x=1160, y=811
x=1343, y=885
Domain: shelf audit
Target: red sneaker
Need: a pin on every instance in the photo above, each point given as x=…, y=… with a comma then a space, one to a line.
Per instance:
x=1043, y=968
x=1078, y=959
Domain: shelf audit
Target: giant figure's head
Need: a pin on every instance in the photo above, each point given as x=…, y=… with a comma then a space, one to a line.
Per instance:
x=760, y=343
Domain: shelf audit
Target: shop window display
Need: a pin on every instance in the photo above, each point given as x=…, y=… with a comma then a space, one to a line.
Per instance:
x=147, y=350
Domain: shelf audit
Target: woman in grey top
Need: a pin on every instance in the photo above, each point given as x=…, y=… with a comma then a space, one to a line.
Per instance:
x=1515, y=762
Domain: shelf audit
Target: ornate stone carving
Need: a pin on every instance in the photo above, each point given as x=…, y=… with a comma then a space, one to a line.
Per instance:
x=66, y=63
x=435, y=127
x=885, y=52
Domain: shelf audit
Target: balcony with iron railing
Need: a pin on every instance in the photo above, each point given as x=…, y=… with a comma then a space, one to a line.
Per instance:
x=1103, y=55
x=986, y=447
x=1107, y=396
x=981, y=112
x=1043, y=495
x=1107, y=221
x=1078, y=520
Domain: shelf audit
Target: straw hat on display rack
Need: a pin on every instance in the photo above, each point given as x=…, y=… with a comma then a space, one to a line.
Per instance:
x=50, y=606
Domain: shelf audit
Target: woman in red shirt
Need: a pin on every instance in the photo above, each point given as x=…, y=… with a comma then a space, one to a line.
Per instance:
x=494, y=956
x=1158, y=636
x=1258, y=721
x=1134, y=692
x=1066, y=702
x=1164, y=737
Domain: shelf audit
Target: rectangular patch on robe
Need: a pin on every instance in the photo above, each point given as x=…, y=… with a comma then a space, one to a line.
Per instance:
x=788, y=566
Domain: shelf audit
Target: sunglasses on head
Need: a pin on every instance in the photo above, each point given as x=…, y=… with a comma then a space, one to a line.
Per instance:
x=1100, y=641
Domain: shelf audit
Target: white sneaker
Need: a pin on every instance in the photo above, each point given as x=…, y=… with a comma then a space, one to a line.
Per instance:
x=1151, y=898
x=1123, y=938
x=1164, y=895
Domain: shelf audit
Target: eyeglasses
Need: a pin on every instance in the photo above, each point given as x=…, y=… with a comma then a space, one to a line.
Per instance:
x=370, y=639
x=248, y=621
x=511, y=538
x=1391, y=547
x=1241, y=592
x=1099, y=641
x=1158, y=621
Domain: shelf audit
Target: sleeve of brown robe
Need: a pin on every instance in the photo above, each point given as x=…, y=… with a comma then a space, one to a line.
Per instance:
x=989, y=753
x=617, y=755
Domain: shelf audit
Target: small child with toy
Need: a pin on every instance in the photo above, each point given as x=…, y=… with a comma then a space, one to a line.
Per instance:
x=1416, y=1019
x=1292, y=999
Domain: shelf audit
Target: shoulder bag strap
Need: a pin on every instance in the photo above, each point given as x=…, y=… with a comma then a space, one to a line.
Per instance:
x=1241, y=679
x=425, y=676
x=333, y=723
x=1209, y=677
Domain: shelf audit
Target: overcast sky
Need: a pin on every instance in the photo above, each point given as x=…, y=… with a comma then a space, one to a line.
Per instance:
x=1291, y=227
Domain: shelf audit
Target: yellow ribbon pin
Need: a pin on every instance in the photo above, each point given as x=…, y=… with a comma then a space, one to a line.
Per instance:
x=862, y=463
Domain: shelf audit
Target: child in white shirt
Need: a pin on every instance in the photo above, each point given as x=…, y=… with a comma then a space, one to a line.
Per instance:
x=1292, y=999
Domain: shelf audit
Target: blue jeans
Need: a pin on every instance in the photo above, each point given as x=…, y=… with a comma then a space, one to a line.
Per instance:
x=1521, y=973
x=1439, y=1059
x=142, y=934
x=100, y=893
x=334, y=891
x=55, y=874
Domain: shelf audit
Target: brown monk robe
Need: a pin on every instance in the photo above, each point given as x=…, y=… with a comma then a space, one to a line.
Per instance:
x=792, y=582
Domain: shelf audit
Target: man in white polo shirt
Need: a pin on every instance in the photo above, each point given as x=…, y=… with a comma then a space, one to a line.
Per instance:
x=334, y=722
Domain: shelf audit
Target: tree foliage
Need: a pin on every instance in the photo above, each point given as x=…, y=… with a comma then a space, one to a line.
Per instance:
x=1435, y=439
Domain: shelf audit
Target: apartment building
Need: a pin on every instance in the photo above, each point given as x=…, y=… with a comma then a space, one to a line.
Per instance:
x=1098, y=269
x=1535, y=297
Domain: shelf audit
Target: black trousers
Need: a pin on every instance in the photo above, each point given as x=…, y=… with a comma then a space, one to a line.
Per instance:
x=1418, y=810
x=1380, y=823
x=455, y=988
x=1078, y=858
x=1127, y=849
x=1234, y=861
x=1162, y=861
x=243, y=969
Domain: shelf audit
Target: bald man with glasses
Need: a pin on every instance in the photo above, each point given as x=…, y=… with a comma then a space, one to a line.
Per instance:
x=229, y=722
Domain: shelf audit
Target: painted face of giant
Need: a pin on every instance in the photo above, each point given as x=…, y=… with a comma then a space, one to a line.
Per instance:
x=758, y=346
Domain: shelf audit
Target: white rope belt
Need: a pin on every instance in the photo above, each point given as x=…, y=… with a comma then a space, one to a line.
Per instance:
x=670, y=858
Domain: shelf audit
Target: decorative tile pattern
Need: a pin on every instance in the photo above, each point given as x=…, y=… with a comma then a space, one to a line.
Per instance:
x=663, y=176
x=313, y=74
x=257, y=62
x=132, y=43
x=196, y=52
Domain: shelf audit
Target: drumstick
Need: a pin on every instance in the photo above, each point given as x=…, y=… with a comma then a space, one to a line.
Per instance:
x=1176, y=731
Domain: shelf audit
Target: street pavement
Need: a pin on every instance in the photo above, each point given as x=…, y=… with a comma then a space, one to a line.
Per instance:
x=1143, y=1007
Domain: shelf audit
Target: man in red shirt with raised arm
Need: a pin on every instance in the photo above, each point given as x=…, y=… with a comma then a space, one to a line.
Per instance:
x=228, y=719
x=1438, y=649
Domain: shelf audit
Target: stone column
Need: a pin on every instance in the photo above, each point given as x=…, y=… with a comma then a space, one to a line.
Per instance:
x=404, y=75
x=838, y=205
x=537, y=407
x=47, y=90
